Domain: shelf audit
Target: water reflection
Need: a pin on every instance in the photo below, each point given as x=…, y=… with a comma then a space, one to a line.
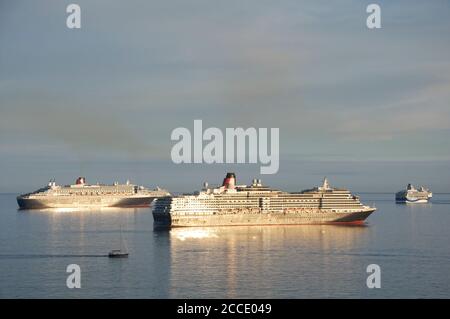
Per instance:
x=409, y=242
x=300, y=234
x=83, y=231
x=197, y=233
x=236, y=258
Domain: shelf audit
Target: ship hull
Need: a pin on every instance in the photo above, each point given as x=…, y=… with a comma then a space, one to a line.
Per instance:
x=83, y=202
x=411, y=201
x=168, y=220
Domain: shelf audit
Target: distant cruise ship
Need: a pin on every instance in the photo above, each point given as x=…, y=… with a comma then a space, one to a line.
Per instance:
x=84, y=195
x=257, y=204
x=413, y=195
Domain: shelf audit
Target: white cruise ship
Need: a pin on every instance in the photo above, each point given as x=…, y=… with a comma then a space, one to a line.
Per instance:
x=256, y=204
x=413, y=195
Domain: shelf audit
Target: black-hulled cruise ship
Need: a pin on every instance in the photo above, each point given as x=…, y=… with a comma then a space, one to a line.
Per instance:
x=81, y=194
x=232, y=204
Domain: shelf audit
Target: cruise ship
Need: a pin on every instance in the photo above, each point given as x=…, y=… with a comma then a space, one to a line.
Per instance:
x=82, y=195
x=413, y=195
x=256, y=204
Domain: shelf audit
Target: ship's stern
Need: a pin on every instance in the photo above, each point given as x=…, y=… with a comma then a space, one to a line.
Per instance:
x=162, y=220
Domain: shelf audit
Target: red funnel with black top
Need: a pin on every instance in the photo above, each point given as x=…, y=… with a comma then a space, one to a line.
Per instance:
x=80, y=181
x=229, y=181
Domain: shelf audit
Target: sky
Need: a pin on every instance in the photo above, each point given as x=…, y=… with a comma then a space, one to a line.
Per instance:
x=368, y=108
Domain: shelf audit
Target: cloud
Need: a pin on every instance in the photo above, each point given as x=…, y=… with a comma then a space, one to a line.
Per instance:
x=84, y=130
x=311, y=68
x=422, y=111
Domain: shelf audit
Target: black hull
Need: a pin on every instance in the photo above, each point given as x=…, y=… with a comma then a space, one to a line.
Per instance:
x=26, y=203
x=118, y=256
x=32, y=203
x=167, y=220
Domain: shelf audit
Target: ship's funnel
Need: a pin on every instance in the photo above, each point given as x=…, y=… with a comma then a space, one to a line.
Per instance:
x=229, y=181
x=80, y=181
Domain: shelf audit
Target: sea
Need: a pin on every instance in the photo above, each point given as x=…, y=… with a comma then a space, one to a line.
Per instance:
x=406, y=246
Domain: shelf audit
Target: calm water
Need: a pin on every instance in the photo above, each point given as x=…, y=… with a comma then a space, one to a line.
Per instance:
x=410, y=243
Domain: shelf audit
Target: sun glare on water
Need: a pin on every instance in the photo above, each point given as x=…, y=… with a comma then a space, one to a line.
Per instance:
x=183, y=234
